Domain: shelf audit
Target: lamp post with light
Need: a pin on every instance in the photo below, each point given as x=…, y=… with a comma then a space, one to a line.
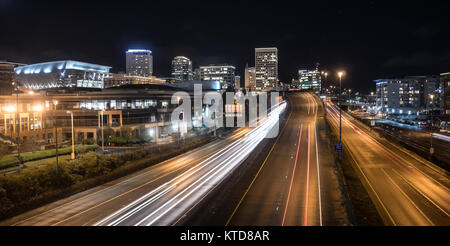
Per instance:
x=17, y=118
x=340, y=74
x=73, y=137
x=325, y=74
x=430, y=113
x=55, y=102
x=103, y=145
x=339, y=103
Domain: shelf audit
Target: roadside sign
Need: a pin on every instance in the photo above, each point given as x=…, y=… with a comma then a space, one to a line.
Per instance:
x=372, y=123
x=338, y=148
x=431, y=150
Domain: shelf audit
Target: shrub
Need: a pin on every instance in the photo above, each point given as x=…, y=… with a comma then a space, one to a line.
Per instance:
x=12, y=160
x=5, y=203
x=119, y=141
x=88, y=141
x=40, y=183
x=8, y=161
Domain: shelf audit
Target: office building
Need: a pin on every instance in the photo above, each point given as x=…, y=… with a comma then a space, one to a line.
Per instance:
x=221, y=73
x=266, y=67
x=411, y=95
x=139, y=62
x=61, y=74
x=309, y=80
x=249, y=78
x=182, y=68
x=129, y=109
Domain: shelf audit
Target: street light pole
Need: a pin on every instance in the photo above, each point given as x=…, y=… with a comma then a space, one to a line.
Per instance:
x=430, y=114
x=325, y=81
x=18, y=128
x=340, y=112
x=103, y=145
x=340, y=109
x=55, y=102
x=73, y=137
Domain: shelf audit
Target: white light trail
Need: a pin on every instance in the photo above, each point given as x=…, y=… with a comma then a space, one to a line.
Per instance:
x=234, y=155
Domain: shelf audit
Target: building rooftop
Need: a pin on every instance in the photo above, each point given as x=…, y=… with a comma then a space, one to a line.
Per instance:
x=48, y=67
x=12, y=63
x=138, y=51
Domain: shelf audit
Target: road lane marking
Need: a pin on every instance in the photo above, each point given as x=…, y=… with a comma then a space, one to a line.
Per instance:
x=407, y=197
x=317, y=164
x=186, y=174
x=212, y=156
x=204, y=178
x=292, y=176
x=305, y=222
x=394, y=155
x=363, y=174
x=113, y=198
x=152, y=168
x=421, y=193
x=260, y=168
x=176, y=222
x=427, y=164
x=139, y=207
x=248, y=145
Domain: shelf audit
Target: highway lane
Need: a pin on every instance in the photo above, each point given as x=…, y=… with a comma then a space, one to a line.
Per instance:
x=158, y=195
x=406, y=189
x=295, y=186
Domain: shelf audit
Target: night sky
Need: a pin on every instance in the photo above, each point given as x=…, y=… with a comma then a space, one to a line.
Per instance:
x=368, y=39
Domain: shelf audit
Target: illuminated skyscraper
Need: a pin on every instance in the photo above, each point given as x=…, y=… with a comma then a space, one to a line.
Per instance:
x=309, y=79
x=249, y=78
x=222, y=73
x=182, y=68
x=266, y=67
x=139, y=62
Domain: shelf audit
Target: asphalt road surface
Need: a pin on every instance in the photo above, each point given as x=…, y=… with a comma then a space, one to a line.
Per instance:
x=406, y=189
x=158, y=195
x=296, y=184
